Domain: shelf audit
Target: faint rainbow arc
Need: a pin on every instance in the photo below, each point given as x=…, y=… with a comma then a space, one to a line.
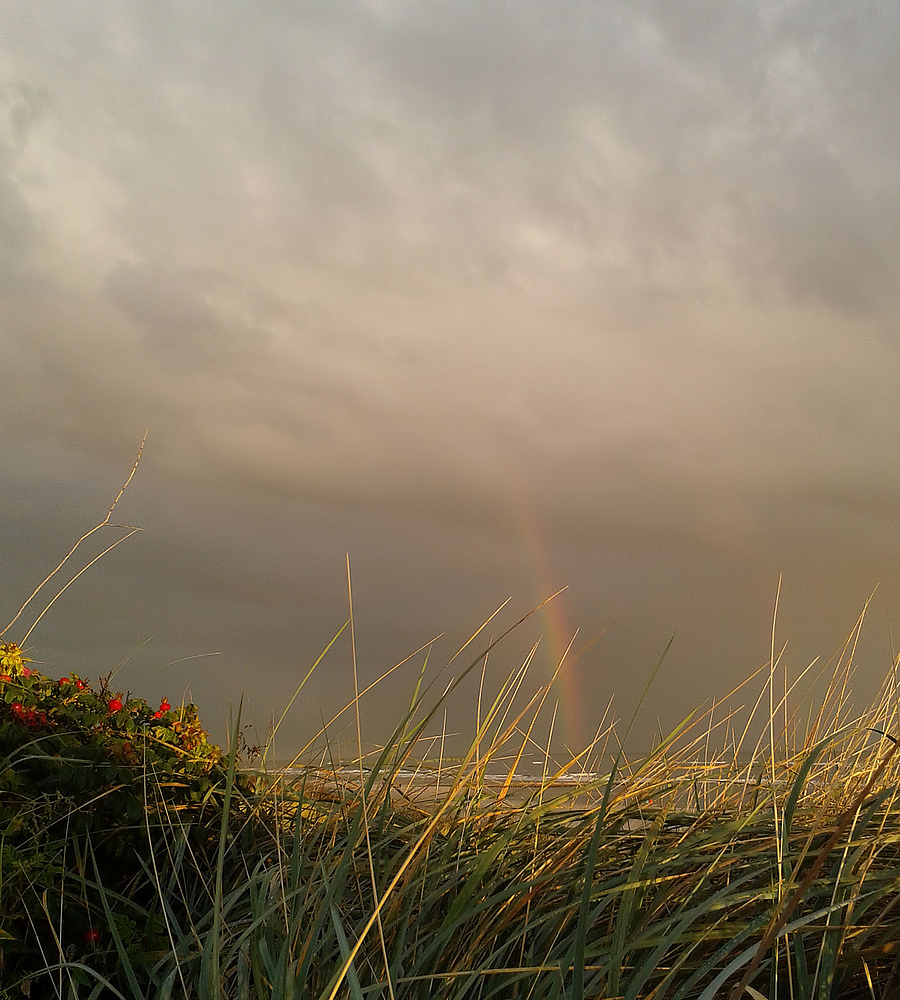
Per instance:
x=558, y=625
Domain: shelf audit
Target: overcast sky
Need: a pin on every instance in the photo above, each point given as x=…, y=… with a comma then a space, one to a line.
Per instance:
x=492, y=297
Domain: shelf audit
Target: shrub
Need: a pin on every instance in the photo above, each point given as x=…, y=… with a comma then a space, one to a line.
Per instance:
x=92, y=783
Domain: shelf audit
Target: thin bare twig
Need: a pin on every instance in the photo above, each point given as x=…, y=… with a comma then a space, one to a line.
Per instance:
x=103, y=524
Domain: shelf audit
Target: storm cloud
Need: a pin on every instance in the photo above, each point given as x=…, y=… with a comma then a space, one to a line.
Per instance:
x=494, y=297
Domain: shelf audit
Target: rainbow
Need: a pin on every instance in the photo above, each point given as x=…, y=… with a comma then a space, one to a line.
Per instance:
x=558, y=630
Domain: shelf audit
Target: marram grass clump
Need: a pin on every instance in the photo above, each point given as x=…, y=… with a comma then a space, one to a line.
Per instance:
x=139, y=862
x=767, y=868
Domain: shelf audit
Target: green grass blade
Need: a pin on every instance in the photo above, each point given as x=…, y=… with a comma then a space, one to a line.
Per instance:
x=124, y=957
x=352, y=978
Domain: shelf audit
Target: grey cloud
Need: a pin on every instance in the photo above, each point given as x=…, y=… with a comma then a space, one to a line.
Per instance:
x=21, y=106
x=814, y=213
x=404, y=271
x=741, y=95
x=416, y=135
x=25, y=105
x=178, y=323
x=163, y=302
x=20, y=230
x=829, y=242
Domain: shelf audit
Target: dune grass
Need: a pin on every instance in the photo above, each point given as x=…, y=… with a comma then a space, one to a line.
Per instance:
x=766, y=867
x=752, y=853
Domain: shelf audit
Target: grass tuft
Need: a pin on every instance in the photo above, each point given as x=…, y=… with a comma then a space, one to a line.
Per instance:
x=684, y=874
x=751, y=854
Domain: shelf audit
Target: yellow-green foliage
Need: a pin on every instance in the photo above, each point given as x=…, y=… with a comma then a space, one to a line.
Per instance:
x=12, y=661
x=89, y=776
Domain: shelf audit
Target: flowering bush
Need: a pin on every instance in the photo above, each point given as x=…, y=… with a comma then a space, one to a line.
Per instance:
x=70, y=710
x=91, y=775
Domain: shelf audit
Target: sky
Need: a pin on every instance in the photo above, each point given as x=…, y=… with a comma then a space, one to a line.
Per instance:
x=494, y=299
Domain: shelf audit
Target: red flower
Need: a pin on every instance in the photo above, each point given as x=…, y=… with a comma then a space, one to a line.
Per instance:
x=114, y=704
x=5, y=677
x=33, y=718
x=27, y=671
